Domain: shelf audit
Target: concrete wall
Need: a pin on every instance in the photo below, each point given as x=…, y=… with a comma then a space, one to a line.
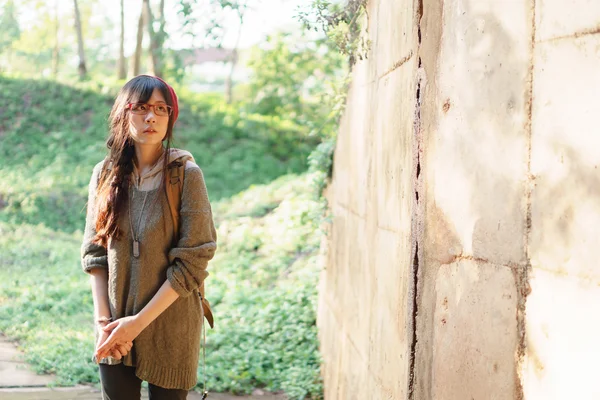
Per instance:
x=461, y=261
x=366, y=291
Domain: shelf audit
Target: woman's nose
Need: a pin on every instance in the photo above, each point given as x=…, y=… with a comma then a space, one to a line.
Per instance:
x=150, y=117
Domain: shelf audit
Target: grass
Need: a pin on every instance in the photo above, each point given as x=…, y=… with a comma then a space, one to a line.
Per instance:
x=51, y=135
x=263, y=279
x=262, y=286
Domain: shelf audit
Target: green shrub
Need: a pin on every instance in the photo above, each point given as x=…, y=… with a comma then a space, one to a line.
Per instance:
x=263, y=279
x=53, y=134
x=263, y=288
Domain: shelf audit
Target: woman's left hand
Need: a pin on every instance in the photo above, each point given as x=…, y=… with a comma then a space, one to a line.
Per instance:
x=124, y=330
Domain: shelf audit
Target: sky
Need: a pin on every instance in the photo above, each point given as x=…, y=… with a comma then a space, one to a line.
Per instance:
x=267, y=17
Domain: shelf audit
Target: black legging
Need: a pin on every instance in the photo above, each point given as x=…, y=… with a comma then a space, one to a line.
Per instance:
x=120, y=383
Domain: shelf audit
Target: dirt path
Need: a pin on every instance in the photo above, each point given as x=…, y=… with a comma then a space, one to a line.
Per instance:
x=19, y=382
x=88, y=393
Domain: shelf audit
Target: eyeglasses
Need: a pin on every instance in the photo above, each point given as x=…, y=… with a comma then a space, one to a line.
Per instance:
x=162, y=110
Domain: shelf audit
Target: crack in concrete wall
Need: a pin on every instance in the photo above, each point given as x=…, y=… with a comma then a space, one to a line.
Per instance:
x=443, y=172
x=417, y=213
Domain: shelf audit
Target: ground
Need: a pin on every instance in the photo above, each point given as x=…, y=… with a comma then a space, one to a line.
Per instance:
x=18, y=382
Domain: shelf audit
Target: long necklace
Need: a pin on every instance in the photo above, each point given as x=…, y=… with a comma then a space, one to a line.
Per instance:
x=136, y=238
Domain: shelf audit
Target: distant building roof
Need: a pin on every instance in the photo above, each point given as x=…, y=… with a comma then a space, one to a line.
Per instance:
x=200, y=56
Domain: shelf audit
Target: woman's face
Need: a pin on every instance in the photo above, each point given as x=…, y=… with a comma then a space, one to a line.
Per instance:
x=148, y=127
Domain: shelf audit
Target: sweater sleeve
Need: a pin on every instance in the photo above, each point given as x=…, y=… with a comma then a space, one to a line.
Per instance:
x=92, y=255
x=188, y=260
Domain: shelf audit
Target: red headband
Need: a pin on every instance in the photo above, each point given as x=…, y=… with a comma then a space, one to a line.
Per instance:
x=173, y=96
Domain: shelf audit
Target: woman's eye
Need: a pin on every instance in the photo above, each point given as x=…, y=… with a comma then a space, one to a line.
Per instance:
x=142, y=107
x=161, y=109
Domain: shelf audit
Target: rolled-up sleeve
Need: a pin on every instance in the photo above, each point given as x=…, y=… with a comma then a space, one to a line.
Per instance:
x=197, y=243
x=92, y=255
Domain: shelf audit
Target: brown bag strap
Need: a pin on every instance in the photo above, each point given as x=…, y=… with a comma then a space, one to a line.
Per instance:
x=174, y=187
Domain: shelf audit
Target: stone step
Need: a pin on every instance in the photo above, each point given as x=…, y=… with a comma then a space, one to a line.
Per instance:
x=14, y=371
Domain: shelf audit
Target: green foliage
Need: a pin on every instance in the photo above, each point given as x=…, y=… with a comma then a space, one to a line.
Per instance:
x=263, y=291
x=53, y=134
x=341, y=23
x=237, y=148
x=268, y=210
x=320, y=164
x=45, y=302
x=263, y=287
x=296, y=78
x=208, y=20
x=10, y=26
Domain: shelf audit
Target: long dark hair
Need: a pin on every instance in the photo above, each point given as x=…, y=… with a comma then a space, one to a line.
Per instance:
x=112, y=192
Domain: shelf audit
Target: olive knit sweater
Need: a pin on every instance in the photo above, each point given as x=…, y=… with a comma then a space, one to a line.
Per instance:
x=166, y=352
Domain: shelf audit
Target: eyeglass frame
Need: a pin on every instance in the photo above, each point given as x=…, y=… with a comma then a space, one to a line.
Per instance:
x=151, y=107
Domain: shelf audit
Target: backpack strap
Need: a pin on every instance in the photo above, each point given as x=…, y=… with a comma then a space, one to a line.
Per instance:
x=174, y=188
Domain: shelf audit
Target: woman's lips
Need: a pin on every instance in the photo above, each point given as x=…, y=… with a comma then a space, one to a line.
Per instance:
x=149, y=131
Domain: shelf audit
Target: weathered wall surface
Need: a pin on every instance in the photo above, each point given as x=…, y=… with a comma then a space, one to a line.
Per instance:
x=562, y=323
x=462, y=257
x=476, y=135
x=365, y=291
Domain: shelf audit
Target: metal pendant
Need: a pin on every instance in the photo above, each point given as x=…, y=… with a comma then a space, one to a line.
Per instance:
x=136, y=248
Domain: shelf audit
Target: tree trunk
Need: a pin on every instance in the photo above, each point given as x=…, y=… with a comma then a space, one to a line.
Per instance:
x=82, y=68
x=121, y=72
x=156, y=38
x=229, y=81
x=138, y=44
x=234, y=59
x=56, y=51
x=160, y=40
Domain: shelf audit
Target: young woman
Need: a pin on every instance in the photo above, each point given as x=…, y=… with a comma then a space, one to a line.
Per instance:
x=145, y=281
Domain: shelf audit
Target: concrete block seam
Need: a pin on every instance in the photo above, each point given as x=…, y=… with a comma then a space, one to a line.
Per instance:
x=511, y=265
x=397, y=65
x=576, y=35
x=350, y=210
x=521, y=275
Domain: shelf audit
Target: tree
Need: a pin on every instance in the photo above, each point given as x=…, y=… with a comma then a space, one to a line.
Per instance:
x=10, y=25
x=149, y=21
x=157, y=41
x=56, y=51
x=157, y=38
x=240, y=8
x=291, y=76
x=10, y=29
x=81, y=67
x=121, y=73
x=138, y=44
x=210, y=14
x=33, y=51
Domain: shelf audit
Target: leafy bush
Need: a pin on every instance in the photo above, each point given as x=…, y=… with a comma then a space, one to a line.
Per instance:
x=53, y=134
x=262, y=287
x=263, y=280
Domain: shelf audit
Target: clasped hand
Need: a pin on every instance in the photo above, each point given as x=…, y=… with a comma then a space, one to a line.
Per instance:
x=116, y=338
